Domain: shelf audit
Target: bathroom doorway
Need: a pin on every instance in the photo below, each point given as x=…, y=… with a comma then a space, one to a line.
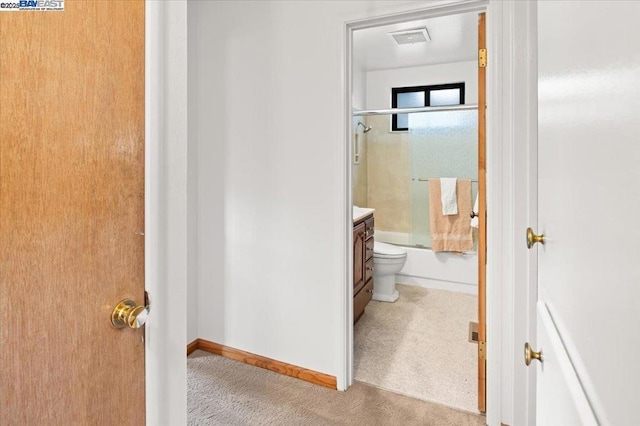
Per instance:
x=418, y=126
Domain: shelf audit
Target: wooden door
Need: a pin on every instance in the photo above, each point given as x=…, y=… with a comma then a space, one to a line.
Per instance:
x=71, y=213
x=588, y=200
x=482, y=216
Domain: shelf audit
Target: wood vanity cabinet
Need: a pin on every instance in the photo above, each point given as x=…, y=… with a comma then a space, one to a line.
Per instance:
x=362, y=265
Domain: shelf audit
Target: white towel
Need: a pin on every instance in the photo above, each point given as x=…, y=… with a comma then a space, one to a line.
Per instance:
x=448, y=196
x=474, y=221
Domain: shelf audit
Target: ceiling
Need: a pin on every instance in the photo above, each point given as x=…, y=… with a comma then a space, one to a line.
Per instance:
x=453, y=39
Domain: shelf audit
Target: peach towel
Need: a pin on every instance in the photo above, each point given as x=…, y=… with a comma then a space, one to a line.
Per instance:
x=452, y=232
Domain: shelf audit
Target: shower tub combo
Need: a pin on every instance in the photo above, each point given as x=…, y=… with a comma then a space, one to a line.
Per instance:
x=440, y=142
x=438, y=270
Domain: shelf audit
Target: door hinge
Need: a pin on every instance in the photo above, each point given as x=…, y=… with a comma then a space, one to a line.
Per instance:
x=482, y=352
x=482, y=58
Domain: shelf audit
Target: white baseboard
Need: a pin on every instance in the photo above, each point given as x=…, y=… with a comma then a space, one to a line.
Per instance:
x=437, y=284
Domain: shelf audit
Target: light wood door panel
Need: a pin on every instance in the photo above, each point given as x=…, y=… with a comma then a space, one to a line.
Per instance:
x=482, y=218
x=71, y=213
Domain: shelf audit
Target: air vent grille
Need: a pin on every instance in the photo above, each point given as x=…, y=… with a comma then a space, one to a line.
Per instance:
x=418, y=35
x=473, y=332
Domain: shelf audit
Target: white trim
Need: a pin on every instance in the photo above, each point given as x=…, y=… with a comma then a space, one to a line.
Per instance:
x=344, y=378
x=511, y=207
x=499, y=406
x=525, y=197
x=165, y=211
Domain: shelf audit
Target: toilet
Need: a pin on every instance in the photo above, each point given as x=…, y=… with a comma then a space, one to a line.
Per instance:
x=388, y=260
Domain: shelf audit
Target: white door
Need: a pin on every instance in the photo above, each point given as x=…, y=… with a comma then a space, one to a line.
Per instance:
x=589, y=212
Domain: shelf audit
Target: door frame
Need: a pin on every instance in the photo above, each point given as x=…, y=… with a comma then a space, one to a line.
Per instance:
x=512, y=206
x=166, y=211
x=511, y=196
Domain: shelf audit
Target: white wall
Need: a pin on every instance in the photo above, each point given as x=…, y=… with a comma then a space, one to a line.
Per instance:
x=359, y=88
x=268, y=94
x=379, y=83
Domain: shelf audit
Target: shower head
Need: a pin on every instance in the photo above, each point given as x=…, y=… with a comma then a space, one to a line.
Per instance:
x=366, y=128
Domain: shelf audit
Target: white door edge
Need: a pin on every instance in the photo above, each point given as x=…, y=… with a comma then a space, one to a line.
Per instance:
x=165, y=211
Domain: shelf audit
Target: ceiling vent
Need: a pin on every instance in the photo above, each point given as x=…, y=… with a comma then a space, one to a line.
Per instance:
x=417, y=35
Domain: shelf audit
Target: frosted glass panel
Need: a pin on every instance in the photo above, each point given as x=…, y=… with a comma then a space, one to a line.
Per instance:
x=444, y=97
x=443, y=144
x=408, y=100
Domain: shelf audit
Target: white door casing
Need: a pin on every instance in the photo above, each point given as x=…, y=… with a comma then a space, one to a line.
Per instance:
x=589, y=199
x=511, y=93
x=166, y=211
x=511, y=160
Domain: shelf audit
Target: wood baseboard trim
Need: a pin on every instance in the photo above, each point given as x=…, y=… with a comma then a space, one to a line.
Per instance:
x=192, y=346
x=279, y=367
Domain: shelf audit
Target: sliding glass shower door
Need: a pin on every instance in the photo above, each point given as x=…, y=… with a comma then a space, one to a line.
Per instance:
x=442, y=144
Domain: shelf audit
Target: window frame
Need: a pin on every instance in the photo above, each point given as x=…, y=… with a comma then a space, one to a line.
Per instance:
x=427, y=98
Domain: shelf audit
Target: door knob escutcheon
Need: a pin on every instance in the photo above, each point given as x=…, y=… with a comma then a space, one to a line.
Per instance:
x=533, y=238
x=128, y=313
x=530, y=354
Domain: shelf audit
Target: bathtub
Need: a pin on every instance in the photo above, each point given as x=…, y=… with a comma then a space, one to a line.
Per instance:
x=429, y=269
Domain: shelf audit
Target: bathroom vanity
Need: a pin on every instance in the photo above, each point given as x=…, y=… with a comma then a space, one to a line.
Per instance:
x=362, y=260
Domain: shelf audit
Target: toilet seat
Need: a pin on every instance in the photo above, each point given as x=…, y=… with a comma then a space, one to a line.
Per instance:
x=387, y=251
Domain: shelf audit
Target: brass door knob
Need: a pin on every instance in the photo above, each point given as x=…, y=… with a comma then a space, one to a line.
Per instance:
x=128, y=313
x=533, y=238
x=530, y=354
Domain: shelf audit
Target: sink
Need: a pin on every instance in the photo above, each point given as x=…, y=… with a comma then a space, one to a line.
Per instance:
x=360, y=212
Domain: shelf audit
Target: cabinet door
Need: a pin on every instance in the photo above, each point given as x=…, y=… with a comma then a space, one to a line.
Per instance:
x=358, y=257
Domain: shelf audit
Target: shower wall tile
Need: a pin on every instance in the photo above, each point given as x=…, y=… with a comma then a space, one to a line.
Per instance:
x=389, y=176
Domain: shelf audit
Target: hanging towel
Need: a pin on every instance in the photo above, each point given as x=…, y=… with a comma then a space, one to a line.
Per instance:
x=474, y=221
x=448, y=196
x=451, y=232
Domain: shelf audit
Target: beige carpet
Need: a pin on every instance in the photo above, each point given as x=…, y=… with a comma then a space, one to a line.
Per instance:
x=230, y=393
x=418, y=346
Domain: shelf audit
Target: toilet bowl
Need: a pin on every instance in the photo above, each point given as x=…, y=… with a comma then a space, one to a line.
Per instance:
x=388, y=260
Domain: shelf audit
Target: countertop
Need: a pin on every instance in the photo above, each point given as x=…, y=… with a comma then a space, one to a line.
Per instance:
x=361, y=212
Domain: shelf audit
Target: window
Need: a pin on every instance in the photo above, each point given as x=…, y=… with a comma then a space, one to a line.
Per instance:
x=419, y=96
